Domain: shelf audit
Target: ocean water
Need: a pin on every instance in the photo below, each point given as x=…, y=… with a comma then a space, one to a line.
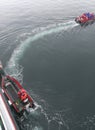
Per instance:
x=53, y=58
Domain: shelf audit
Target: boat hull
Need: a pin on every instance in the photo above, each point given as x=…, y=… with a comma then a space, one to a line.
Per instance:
x=11, y=88
x=84, y=20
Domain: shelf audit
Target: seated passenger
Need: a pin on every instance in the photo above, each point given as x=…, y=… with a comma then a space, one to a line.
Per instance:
x=22, y=94
x=90, y=16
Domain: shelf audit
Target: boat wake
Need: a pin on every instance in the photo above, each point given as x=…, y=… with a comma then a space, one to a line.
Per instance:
x=14, y=69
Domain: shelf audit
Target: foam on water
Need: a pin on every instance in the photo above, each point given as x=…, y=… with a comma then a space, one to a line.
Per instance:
x=36, y=34
x=36, y=128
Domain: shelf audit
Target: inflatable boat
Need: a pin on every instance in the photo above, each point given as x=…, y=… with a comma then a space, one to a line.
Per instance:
x=85, y=19
x=17, y=97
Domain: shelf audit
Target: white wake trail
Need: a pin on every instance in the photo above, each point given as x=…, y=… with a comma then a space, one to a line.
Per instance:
x=13, y=66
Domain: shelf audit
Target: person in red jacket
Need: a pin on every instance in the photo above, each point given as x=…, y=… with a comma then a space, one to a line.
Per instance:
x=22, y=94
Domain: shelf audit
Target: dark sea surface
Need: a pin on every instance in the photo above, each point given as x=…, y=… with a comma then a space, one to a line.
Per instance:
x=54, y=59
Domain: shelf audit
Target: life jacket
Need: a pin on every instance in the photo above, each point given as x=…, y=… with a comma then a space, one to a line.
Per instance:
x=22, y=94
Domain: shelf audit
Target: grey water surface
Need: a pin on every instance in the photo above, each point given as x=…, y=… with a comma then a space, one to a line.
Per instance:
x=54, y=59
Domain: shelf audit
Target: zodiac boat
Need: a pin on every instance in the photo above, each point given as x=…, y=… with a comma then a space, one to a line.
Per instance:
x=17, y=97
x=85, y=19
